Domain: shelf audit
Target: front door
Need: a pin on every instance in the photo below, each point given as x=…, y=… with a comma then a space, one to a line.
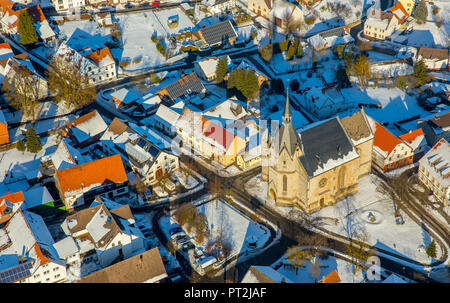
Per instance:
x=159, y=173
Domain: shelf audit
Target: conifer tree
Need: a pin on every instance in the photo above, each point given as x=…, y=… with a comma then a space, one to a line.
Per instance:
x=420, y=72
x=21, y=146
x=32, y=140
x=26, y=29
x=221, y=69
x=431, y=250
x=421, y=11
x=361, y=69
x=299, y=53
x=291, y=52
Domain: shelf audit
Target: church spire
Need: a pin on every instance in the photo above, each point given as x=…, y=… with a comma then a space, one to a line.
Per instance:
x=287, y=115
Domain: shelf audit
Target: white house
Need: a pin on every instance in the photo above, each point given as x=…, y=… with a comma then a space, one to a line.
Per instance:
x=434, y=58
x=379, y=25
x=206, y=68
x=218, y=7
x=166, y=117
x=108, y=228
x=325, y=102
x=64, y=5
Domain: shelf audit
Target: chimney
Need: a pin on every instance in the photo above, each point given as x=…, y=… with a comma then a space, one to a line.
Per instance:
x=98, y=52
x=140, y=260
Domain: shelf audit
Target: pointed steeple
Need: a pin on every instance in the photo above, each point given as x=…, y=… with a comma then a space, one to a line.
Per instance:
x=287, y=114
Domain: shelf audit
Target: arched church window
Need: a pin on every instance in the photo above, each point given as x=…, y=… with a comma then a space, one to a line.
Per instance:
x=284, y=183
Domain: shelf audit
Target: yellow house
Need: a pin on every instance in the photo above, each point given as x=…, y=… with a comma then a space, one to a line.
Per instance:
x=408, y=5
x=247, y=158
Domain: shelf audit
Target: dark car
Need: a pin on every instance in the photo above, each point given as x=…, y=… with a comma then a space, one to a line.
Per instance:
x=145, y=4
x=128, y=5
x=188, y=246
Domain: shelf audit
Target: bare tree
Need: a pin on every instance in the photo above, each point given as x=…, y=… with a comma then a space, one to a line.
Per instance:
x=357, y=250
x=297, y=257
x=22, y=90
x=290, y=23
x=315, y=268
x=70, y=84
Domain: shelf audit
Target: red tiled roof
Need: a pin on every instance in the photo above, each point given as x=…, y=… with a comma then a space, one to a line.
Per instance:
x=102, y=171
x=332, y=277
x=97, y=56
x=411, y=136
x=384, y=139
x=399, y=6
x=13, y=198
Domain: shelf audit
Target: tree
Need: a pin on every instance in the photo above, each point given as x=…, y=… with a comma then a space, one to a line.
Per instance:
x=297, y=257
x=222, y=69
x=277, y=86
x=356, y=249
x=284, y=45
x=421, y=12
x=21, y=146
x=315, y=268
x=420, y=72
x=32, y=140
x=22, y=90
x=431, y=250
x=184, y=213
x=291, y=52
x=340, y=50
x=299, y=52
x=69, y=84
x=348, y=62
x=266, y=52
x=361, y=69
x=26, y=29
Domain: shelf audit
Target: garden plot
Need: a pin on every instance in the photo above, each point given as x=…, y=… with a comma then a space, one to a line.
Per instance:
x=138, y=47
x=102, y=34
x=369, y=211
x=183, y=22
x=327, y=265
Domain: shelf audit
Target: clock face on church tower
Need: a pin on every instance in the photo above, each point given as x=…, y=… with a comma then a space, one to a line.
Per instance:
x=323, y=182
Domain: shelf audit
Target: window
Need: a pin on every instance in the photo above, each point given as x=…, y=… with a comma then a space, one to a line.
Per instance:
x=284, y=183
x=57, y=276
x=48, y=279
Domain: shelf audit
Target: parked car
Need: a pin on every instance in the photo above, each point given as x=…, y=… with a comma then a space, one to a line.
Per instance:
x=145, y=4
x=181, y=240
x=198, y=253
x=188, y=246
x=128, y=5
x=156, y=3
x=178, y=235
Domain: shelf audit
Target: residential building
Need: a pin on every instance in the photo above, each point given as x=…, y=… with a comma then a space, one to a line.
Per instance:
x=206, y=68
x=264, y=274
x=64, y=5
x=123, y=97
x=4, y=135
x=85, y=130
x=166, y=117
x=408, y=5
x=434, y=171
x=325, y=102
x=250, y=156
x=379, y=24
x=313, y=168
x=277, y=11
x=435, y=128
x=146, y=267
x=389, y=152
x=260, y=7
x=9, y=204
x=81, y=183
x=141, y=155
x=105, y=231
x=331, y=38
x=214, y=35
x=434, y=58
x=185, y=86
x=218, y=7
x=65, y=156
x=27, y=254
x=415, y=139
x=104, y=19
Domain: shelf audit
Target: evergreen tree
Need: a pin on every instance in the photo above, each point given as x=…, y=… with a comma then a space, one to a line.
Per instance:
x=32, y=139
x=252, y=84
x=26, y=29
x=421, y=12
x=299, y=53
x=231, y=79
x=277, y=86
x=21, y=146
x=284, y=45
x=420, y=73
x=221, y=69
x=431, y=250
x=266, y=52
x=291, y=52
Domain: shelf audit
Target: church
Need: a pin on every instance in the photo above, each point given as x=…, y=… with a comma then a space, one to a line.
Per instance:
x=321, y=164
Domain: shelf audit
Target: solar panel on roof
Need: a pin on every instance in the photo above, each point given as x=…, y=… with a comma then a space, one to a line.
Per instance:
x=16, y=273
x=141, y=142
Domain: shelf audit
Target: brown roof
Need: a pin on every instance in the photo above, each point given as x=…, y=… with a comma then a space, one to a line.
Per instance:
x=137, y=269
x=117, y=127
x=356, y=126
x=442, y=121
x=434, y=53
x=268, y=3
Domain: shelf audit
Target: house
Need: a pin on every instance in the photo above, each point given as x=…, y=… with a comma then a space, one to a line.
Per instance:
x=124, y=97
x=21, y=64
x=332, y=277
x=284, y=14
x=144, y=157
x=313, y=168
x=4, y=135
x=166, y=117
x=64, y=5
x=147, y=104
x=415, y=139
x=85, y=130
x=379, y=24
x=104, y=19
x=389, y=152
x=217, y=7
x=185, y=86
x=9, y=20
x=27, y=254
x=78, y=184
x=399, y=12
x=65, y=156
x=104, y=232
x=249, y=156
x=434, y=171
x=9, y=204
x=96, y=62
x=146, y=267
x=264, y=274
x=216, y=34
x=331, y=38
x=260, y=7
x=206, y=68
x=408, y=5
x=434, y=58
x=435, y=128
x=325, y=102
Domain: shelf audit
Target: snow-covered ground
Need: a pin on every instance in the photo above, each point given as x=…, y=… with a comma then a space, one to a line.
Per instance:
x=91, y=27
x=184, y=23
x=327, y=265
x=352, y=214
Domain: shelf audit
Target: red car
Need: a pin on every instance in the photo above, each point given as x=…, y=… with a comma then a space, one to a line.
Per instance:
x=156, y=3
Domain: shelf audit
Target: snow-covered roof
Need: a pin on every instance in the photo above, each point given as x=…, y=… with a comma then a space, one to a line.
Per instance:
x=66, y=247
x=167, y=114
x=437, y=162
x=124, y=95
x=323, y=97
x=281, y=8
x=149, y=100
x=264, y=274
x=208, y=66
x=186, y=6
x=5, y=51
x=87, y=126
x=66, y=156
x=44, y=30
x=2, y=118
x=96, y=227
x=229, y=109
x=37, y=195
